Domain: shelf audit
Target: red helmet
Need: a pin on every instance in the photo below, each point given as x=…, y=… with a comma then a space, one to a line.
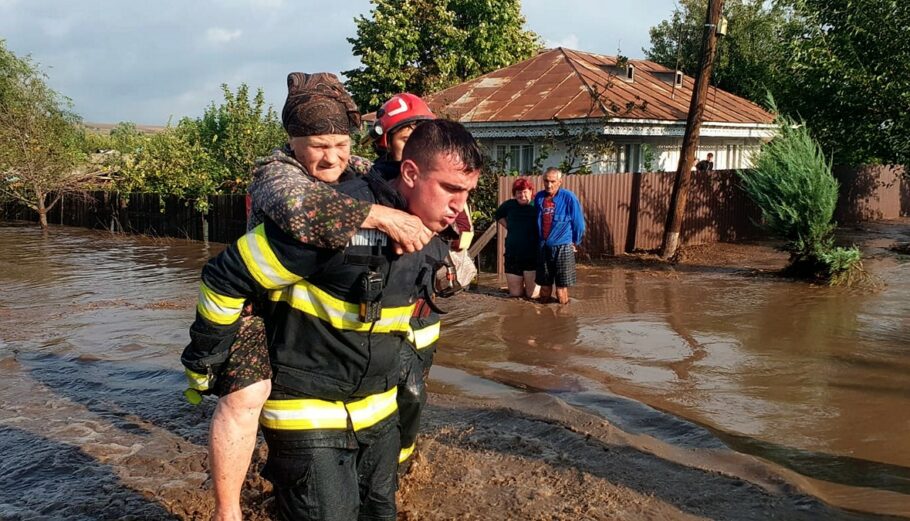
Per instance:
x=400, y=110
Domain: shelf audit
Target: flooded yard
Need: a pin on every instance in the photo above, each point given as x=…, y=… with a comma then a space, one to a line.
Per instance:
x=726, y=362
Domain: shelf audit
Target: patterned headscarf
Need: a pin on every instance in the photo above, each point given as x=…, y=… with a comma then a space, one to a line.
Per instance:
x=317, y=104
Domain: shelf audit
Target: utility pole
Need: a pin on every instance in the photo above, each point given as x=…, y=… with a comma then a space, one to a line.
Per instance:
x=693, y=127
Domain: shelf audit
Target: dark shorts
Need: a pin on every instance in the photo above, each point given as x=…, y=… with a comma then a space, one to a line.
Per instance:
x=516, y=265
x=248, y=361
x=556, y=264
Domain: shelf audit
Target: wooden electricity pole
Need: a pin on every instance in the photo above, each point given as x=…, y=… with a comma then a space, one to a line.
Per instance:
x=693, y=126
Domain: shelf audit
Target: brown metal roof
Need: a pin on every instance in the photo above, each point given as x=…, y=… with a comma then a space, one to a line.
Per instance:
x=566, y=84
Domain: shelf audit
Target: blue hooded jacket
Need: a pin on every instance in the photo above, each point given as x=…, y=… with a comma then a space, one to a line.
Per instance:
x=568, y=219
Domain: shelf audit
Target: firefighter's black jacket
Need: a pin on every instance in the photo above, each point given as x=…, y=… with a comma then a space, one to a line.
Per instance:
x=318, y=345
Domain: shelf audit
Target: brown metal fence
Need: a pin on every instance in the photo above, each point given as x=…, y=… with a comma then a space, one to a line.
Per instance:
x=870, y=193
x=624, y=212
x=627, y=212
x=147, y=214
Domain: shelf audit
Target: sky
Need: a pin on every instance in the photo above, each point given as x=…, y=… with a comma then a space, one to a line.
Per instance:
x=154, y=62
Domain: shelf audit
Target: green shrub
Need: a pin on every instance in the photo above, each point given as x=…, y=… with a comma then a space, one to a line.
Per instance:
x=198, y=157
x=844, y=265
x=793, y=186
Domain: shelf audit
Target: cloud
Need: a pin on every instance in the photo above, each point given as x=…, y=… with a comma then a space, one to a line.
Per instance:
x=569, y=42
x=144, y=61
x=219, y=35
x=267, y=4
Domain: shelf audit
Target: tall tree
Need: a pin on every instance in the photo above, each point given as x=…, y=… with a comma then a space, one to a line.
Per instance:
x=848, y=76
x=422, y=46
x=41, y=155
x=839, y=65
x=749, y=58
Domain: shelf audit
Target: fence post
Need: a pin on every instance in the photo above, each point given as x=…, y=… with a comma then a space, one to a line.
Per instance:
x=110, y=205
x=205, y=225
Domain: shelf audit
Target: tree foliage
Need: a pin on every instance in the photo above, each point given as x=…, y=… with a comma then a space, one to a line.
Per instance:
x=199, y=157
x=842, y=65
x=422, y=46
x=848, y=75
x=749, y=57
x=793, y=186
x=238, y=131
x=40, y=140
x=174, y=162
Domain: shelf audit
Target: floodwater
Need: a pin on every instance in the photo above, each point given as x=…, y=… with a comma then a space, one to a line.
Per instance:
x=813, y=380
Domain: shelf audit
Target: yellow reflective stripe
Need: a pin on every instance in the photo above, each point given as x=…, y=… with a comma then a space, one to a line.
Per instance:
x=217, y=308
x=465, y=240
x=199, y=382
x=303, y=414
x=261, y=261
x=340, y=314
x=424, y=337
x=406, y=452
x=372, y=409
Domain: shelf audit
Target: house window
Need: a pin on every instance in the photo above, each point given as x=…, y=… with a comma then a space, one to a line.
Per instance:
x=614, y=161
x=516, y=158
x=633, y=158
x=734, y=157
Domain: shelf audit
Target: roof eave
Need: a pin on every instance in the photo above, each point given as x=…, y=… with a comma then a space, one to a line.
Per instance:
x=618, y=127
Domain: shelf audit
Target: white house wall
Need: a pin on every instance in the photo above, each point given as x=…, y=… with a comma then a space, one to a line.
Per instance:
x=729, y=153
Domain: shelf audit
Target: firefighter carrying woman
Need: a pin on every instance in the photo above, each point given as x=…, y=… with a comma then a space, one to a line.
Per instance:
x=345, y=298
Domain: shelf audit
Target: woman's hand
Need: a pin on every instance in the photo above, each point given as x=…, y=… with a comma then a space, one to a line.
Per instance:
x=406, y=230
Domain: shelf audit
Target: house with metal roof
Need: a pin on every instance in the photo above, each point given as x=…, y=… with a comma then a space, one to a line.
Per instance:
x=527, y=113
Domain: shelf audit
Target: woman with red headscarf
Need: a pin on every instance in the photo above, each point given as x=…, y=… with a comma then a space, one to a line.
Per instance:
x=519, y=217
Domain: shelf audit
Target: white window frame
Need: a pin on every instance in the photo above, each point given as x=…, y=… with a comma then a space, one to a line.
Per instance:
x=525, y=161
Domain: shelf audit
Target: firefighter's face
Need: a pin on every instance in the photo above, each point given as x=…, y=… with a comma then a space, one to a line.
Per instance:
x=325, y=157
x=438, y=192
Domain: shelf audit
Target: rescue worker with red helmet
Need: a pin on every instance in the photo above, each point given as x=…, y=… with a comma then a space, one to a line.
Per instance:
x=395, y=120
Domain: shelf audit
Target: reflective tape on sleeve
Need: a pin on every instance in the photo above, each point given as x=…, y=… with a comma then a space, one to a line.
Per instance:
x=406, y=452
x=217, y=308
x=424, y=337
x=262, y=262
x=197, y=381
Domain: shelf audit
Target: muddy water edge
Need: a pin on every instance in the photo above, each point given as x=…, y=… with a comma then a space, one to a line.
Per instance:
x=811, y=380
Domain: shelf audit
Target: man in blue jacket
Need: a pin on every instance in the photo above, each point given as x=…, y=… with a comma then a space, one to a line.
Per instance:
x=562, y=225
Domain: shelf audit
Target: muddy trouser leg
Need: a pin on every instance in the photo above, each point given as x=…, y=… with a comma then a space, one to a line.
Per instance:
x=412, y=396
x=314, y=483
x=376, y=467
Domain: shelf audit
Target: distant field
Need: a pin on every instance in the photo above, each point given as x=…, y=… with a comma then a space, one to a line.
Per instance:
x=105, y=128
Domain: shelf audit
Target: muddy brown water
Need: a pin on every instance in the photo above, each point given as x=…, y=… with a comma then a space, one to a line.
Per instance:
x=812, y=380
